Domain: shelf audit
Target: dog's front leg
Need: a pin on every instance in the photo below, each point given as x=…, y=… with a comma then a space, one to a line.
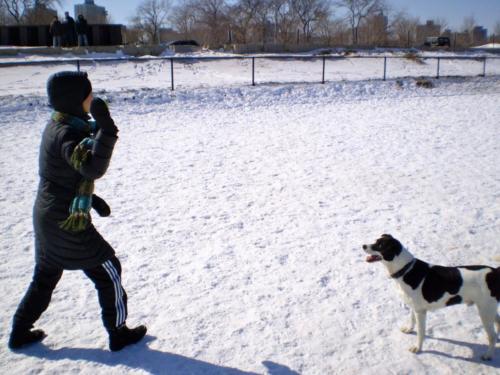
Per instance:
x=420, y=315
x=411, y=326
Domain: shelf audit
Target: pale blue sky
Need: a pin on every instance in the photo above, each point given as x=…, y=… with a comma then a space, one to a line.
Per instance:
x=485, y=12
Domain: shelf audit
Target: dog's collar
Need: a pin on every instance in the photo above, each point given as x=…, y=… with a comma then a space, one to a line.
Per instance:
x=403, y=270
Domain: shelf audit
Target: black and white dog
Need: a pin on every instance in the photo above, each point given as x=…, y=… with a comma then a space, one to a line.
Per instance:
x=427, y=287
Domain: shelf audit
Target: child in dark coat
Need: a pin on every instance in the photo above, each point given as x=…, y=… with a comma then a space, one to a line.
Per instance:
x=74, y=152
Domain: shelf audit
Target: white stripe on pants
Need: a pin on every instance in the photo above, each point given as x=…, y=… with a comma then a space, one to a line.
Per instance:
x=119, y=304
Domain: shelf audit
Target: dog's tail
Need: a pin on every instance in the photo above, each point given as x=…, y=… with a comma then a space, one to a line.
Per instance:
x=493, y=281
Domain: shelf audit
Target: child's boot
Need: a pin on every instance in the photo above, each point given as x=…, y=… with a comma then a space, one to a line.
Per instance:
x=122, y=336
x=21, y=336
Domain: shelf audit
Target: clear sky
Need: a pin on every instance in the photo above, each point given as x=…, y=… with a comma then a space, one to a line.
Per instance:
x=485, y=12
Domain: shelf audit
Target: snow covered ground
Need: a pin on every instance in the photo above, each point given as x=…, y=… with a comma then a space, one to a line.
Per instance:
x=239, y=213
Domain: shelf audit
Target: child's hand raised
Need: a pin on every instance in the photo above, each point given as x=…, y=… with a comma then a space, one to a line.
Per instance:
x=101, y=115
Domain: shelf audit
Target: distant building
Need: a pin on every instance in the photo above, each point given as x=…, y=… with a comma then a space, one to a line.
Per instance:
x=93, y=14
x=479, y=35
x=427, y=30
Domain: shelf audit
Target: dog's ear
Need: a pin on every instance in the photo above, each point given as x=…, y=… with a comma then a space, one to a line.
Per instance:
x=387, y=235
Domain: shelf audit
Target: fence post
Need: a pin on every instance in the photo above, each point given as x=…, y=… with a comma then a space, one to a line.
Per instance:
x=385, y=67
x=484, y=66
x=323, y=77
x=253, y=71
x=172, y=72
x=439, y=61
x=78, y=65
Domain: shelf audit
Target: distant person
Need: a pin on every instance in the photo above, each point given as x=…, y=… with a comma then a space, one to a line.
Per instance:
x=56, y=30
x=74, y=153
x=81, y=31
x=69, y=30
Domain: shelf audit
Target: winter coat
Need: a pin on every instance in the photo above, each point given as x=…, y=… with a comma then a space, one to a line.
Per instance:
x=58, y=185
x=56, y=28
x=81, y=26
x=69, y=27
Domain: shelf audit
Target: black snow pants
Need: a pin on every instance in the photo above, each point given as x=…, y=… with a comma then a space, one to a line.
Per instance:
x=106, y=278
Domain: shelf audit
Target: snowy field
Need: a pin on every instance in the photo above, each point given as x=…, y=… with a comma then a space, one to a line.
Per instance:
x=239, y=214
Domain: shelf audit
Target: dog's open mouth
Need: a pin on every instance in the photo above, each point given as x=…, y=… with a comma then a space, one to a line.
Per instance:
x=373, y=258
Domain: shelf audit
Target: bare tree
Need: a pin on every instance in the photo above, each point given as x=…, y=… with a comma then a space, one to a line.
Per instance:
x=109, y=19
x=468, y=27
x=405, y=28
x=442, y=22
x=496, y=30
x=332, y=30
x=358, y=10
x=468, y=24
x=282, y=19
x=3, y=14
x=151, y=16
x=40, y=12
x=16, y=9
x=244, y=15
x=212, y=15
x=19, y=10
x=133, y=35
x=309, y=11
x=183, y=18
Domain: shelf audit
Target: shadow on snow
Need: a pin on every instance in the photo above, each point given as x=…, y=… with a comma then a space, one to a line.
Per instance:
x=150, y=360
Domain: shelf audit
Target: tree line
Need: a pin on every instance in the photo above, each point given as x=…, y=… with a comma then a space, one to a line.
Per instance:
x=25, y=12
x=216, y=23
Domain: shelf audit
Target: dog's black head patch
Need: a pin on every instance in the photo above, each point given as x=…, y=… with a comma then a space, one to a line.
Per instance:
x=387, y=246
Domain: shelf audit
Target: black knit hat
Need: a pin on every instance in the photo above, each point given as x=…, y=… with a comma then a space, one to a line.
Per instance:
x=67, y=91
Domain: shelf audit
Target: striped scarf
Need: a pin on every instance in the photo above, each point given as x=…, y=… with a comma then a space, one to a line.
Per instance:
x=79, y=210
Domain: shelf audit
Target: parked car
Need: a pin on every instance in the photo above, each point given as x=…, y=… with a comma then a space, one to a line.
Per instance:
x=184, y=46
x=193, y=43
x=437, y=41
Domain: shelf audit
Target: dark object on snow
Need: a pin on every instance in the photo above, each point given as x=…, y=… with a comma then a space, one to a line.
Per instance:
x=424, y=83
x=106, y=278
x=21, y=337
x=124, y=336
x=184, y=43
x=437, y=41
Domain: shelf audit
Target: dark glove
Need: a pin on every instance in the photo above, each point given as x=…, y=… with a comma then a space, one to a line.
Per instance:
x=100, y=113
x=100, y=206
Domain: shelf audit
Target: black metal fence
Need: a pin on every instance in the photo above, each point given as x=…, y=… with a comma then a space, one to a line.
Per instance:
x=323, y=59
